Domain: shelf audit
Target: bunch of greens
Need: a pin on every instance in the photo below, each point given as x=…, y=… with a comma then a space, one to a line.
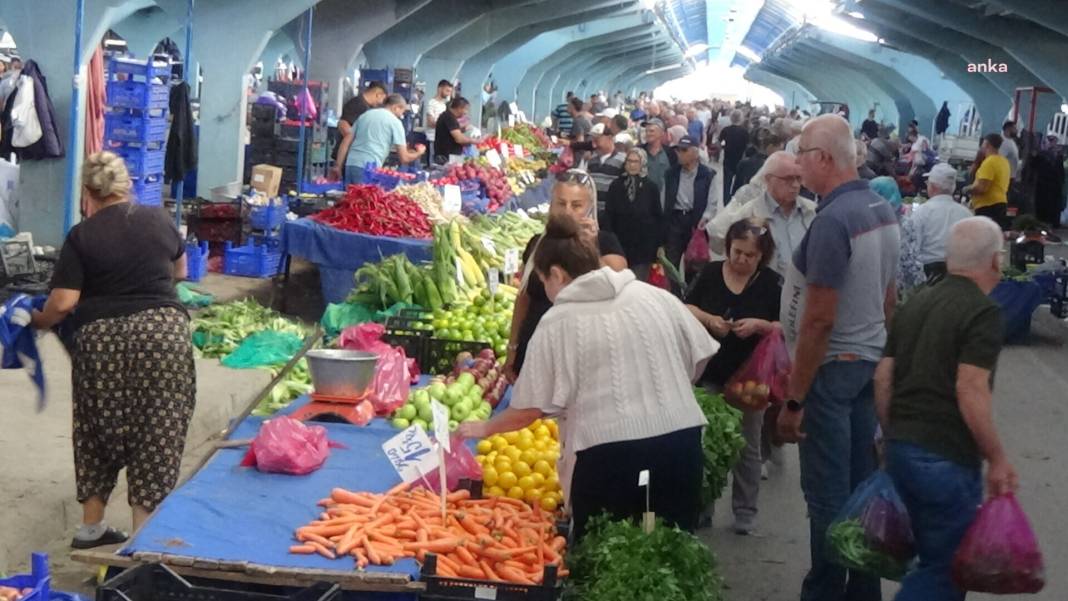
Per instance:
x=723, y=443
x=617, y=560
x=850, y=548
x=219, y=329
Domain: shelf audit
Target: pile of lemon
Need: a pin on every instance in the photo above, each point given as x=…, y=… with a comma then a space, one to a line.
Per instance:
x=522, y=464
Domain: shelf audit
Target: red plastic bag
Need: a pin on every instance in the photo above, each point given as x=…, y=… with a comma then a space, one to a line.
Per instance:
x=657, y=277
x=697, y=251
x=460, y=464
x=288, y=446
x=763, y=378
x=392, y=372
x=999, y=553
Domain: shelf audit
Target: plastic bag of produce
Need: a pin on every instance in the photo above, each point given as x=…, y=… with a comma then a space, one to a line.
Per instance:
x=873, y=532
x=460, y=464
x=264, y=349
x=287, y=446
x=393, y=373
x=697, y=251
x=337, y=317
x=999, y=553
x=763, y=378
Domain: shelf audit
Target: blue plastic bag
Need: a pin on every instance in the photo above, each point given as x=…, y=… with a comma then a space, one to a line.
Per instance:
x=873, y=533
x=18, y=341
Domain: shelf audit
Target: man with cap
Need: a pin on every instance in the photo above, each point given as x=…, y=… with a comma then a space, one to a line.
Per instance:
x=661, y=156
x=933, y=219
x=690, y=190
x=605, y=163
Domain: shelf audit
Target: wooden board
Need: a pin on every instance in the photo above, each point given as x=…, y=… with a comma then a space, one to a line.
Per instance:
x=256, y=573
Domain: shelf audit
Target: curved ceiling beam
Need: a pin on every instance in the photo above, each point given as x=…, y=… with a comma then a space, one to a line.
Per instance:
x=593, y=65
x=843, y=85
x=1047, y=14
x=793, y=94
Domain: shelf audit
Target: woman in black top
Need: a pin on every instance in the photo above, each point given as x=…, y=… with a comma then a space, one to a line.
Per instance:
x=633, y=213
x=134, y=377
x=737, y=300
x=573, y=194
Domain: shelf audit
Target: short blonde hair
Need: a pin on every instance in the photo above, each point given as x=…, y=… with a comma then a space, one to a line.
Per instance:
x=104, y=174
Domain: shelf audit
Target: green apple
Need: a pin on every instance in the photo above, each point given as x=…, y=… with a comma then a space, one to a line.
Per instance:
x=426, y=414
x=421, y=394
x=408, y=412
x=437, y=391
x=452, y=396
x=453, y=425
x=466, y=379
x=485, y=407
x=460, y=410
x=421, y=423
x=400, y=423
x=472, y=418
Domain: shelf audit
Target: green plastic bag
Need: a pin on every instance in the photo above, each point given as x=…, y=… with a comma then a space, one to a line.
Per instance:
x=337, y=317
x=383, y=315
x=264, y=349
x=192, y=297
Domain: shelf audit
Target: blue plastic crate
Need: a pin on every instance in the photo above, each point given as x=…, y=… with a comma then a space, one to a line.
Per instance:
x=273, y=242
x=196, y=261
x=148, y=70
x=127, y=127
x=148, y=190
x=141, y=160
x=251, y=261
x=268, y=217
x=138, y=95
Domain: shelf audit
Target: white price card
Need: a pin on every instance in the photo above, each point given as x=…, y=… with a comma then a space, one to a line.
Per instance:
x=441, y=424
x=643, y=478
x=518, y=150
x=554, y=139
x=493, y=157
x=494, y=279
x=511, y=261
x=451, y=201
x=504, y=150
x=411, y=454
x=459, y=272
x=488, y=244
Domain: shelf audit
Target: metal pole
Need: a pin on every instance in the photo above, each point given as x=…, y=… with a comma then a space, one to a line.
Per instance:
x=73, y=152
x=186, y=66
x=303, y=105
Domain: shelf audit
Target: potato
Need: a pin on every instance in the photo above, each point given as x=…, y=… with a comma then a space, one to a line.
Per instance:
x=763, y=391
x=750, y=387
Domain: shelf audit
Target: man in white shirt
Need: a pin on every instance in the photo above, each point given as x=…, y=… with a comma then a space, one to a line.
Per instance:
x=788, y=214
x=435, y=107
x=1009, y=149
x=933, y=219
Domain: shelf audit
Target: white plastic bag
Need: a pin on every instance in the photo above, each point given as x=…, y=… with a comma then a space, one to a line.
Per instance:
x=27, y=127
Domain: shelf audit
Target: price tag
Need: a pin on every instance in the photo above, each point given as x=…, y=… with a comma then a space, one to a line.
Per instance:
x=554, y=139
x=511, y=261
x=459, y=272
x=494, y=157
x=518, y=150
x=451, y=201
x=441, y=424
x=456, y=159
x=488, y=593
x=643, y=478
x=494, y=279
x=511, y=120
x=504, y=150
x=411, y=454
x=488, y=244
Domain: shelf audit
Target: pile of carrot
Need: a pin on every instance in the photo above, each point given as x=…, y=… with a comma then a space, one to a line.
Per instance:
x=499, y=539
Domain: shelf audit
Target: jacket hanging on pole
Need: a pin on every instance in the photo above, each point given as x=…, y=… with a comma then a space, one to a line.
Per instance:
x=181, y=142
x=48, y=145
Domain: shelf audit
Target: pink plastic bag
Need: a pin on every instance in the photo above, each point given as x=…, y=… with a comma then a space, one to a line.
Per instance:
x=392, y=373
x=287, y=446
x=763, y=378
x=999, y=553
x=697, y=251
x=460, y=464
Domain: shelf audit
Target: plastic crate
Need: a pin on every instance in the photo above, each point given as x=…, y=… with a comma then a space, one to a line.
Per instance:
x=126, y=127
x=196, y=261
x=440, y=354
x=440, y=588
x=267, y=217
x=251, y=261
x=138, y=95
x=148, y=190
x=413, y=342
x=273, y=242
x=142, y=159
x=156, y=582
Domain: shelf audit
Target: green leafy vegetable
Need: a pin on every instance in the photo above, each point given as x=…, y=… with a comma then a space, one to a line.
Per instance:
x=618, y=561
x=219, y=329
x=850, y=548
x=723, y=443
x=297, y=383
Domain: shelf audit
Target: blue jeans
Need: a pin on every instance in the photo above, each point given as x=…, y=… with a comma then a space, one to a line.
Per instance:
x=942, y=498
x=836, y=455
x=353, y=175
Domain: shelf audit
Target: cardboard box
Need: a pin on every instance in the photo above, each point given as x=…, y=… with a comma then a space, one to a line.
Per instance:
x=266, y=179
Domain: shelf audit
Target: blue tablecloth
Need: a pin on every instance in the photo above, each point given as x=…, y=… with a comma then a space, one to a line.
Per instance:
x=232, y=513
x=339, y=254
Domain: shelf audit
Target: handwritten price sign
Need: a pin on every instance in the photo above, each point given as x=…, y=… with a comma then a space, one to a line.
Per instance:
x=411, y=454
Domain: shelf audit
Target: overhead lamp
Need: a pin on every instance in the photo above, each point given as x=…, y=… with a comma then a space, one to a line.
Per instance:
x=650, y=4
x=1064, y=108
x=856, y=14
x=664, y=68
x=696, y=49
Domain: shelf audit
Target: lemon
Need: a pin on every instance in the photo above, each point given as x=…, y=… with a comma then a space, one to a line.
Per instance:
x=513, y=453
x=495, y=491
x=507, y=479
x=522, y=469
x=532, y=496
x=526, y=483
x=543, y=468
x=515, y=492
x=510, y=437
x=548, y=503
x=539, y=480
x=500, y=444
x=542, y=432
x=503, y=464
x=489, y=475
x=530, y=457
x=484, y=447
x=524, y=444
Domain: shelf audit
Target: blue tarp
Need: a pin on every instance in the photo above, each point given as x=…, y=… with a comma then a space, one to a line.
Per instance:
x=1018, y=301
x=339, y=254
x=232, y=513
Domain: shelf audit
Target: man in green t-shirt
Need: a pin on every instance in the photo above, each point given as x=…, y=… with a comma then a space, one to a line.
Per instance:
x=933, y=397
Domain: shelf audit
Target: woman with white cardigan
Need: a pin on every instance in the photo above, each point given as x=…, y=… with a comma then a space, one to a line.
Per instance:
x=617, y=358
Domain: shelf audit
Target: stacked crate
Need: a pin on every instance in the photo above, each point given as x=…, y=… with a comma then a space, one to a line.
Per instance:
x=135, y=124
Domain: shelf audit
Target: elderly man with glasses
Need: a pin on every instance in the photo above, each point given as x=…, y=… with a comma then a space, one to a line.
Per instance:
x=787, y=213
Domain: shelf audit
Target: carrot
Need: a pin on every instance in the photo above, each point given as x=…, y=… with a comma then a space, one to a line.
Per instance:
x=447, y=572
x=441, y=545
x=450, y=562
x=551, y=556
x=321, y=550
x=488, y=571
x=384, y=539
x=467, y=571
x=302, y=550
x=340, y=495
x=469, y=524
x=372, y=554
x=349, y=541
x=422, y=537
x=559, y=544
x=456, y=497
x=513, y=575
x=305, y=537
x=465, y=556
x=361, y=558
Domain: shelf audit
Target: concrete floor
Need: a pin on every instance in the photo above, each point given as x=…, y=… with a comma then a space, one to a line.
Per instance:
x=39, y=511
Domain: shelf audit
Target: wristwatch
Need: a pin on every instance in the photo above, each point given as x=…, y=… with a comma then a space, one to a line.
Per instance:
x=794, y=405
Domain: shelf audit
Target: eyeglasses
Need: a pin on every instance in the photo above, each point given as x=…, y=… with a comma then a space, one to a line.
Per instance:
x=574, y=176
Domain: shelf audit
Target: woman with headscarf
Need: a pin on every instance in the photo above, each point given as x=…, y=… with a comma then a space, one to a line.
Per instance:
x=910, y=272
x=633, y=213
